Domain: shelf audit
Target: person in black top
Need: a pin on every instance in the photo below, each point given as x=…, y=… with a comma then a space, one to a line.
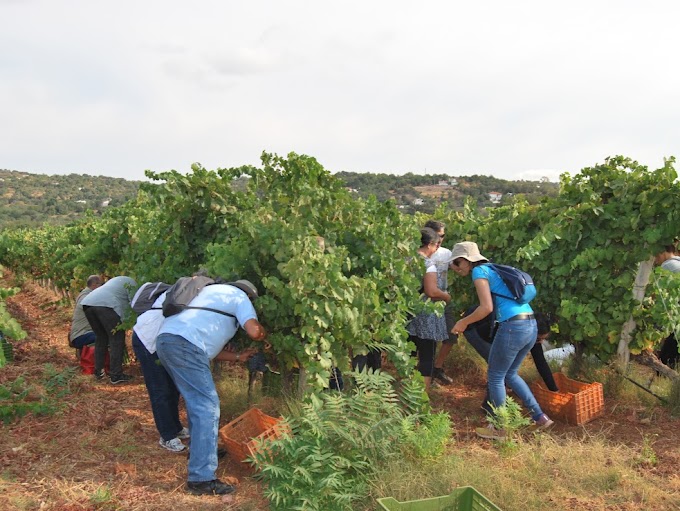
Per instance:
x=480, y=337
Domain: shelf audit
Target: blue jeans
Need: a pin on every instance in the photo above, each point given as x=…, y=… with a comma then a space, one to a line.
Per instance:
x=513, y=340
x=189, y=368
x=162, y=391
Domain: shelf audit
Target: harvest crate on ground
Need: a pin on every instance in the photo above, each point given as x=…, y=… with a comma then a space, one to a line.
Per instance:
x=575, y=403
x=465, y=498
x=242, y=435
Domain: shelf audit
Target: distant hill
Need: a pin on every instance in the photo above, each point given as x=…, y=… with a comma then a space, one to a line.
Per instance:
x=28, y=200
x=414, y=192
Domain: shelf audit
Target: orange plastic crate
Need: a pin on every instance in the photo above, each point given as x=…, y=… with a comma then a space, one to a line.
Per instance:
x=242, y=435
x=575, y=403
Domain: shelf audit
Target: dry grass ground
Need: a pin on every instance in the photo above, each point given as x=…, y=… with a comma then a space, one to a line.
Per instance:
x=100, y=451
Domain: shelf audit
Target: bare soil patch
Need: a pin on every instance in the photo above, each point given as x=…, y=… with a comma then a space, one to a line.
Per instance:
x=436, y=191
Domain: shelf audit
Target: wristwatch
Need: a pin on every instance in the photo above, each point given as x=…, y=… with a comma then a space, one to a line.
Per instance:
x=238, y=357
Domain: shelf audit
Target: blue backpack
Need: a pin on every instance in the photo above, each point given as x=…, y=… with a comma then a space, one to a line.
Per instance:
x=519, y=283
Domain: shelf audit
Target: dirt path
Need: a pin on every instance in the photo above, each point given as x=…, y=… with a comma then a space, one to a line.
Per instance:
x=100, y=450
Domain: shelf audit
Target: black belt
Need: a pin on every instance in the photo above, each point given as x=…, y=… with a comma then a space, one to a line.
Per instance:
x=520, y=317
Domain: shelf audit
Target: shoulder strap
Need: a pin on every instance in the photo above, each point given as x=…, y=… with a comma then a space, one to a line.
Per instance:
x=209, y=309
x=492, y=266
x=199, y=308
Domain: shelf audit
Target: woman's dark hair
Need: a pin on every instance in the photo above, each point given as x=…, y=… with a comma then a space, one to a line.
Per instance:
x=435, y=225
x=428, y=236
x=670, y=248
x=543, y=322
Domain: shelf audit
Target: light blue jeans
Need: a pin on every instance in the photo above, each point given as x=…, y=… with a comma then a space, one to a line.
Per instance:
x=513, y=340
x=189, y=368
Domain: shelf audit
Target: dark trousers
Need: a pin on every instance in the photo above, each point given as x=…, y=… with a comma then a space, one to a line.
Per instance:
x=103, y=321
x=669, y=352
x=163, y=393
x=372, y=360
x=425, y=349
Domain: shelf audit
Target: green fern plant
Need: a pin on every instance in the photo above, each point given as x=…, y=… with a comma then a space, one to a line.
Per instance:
x=339, y=441
x=428, y=437
x=509, y=418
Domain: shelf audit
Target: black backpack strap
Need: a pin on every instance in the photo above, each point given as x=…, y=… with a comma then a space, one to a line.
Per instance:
x=210, y=310
x=199, y=308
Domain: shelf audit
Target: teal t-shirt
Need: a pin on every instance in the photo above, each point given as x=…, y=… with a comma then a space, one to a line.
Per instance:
x=505, y=307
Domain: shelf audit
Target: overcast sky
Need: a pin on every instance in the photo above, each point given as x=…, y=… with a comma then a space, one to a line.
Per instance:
x=514, y=89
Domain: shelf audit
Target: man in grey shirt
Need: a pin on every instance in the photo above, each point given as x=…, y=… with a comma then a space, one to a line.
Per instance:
x=81, y=332
x=105, y=308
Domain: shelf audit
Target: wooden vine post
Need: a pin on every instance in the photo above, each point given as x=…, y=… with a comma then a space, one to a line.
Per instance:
x=641, y=280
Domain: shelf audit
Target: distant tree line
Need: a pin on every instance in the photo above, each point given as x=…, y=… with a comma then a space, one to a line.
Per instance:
x=404, y=189
x=29, y=200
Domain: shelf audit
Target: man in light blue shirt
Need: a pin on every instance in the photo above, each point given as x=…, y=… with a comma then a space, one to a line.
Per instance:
x=186, y=344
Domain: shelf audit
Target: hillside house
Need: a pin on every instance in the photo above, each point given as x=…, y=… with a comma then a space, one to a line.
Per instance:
x=495, y=197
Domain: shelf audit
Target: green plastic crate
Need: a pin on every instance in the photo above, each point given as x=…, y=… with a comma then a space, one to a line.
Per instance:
x=465, y=498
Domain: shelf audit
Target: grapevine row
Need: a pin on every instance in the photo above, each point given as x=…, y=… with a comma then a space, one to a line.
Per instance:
x=337, y=272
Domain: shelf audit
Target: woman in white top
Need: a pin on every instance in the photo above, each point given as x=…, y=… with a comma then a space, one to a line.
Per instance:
x=427, y=328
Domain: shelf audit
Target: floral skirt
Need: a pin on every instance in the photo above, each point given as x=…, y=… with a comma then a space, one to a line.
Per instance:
x=428, y=326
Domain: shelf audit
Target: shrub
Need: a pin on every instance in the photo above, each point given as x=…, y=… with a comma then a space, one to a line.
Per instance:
x=427, y=437
x=339, y=441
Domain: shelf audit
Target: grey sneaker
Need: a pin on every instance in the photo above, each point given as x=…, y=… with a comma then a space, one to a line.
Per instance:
x=441, y=377
x=183, y=434
x=123, y=378
x=100, y=375
x=173, y=445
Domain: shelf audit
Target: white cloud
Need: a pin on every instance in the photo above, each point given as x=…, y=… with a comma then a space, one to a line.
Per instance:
x=489, y=87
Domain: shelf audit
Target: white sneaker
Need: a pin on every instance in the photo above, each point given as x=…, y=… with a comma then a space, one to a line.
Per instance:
x=174, y=445
x=183, y=434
